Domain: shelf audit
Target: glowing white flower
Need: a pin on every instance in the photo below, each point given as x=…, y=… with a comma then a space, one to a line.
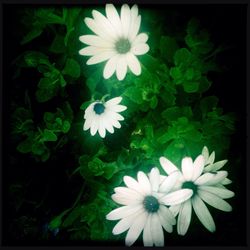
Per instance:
x=116, y=41
x=144, y=207
x=206, y=187
x=211, y=166
x=101, y=116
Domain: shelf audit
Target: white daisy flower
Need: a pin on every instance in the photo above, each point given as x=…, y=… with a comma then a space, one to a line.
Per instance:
x=206, y=188
x=116, y=41
x=101, y=116
x=145, y=207
x=211, y=166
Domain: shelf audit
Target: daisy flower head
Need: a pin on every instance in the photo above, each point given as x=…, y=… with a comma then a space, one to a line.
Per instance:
x=116, y=40
x=145, y=207
x=101, y=116
x=211, y=166
x=206, y=189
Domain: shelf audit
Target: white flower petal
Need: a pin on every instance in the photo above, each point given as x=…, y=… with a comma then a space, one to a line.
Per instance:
x=118, y=108
x=123, y=212
x=114, y=18
x=108, y=125
x=89, y=109
x=110, y=67
x=125, y=19
x=187, y=168
x=121, y=68
x=184, y=217
x=167, y=165
x=88, y=121
x=141, y=38
x=203, y=214
x=125, y=200
x=156, y=230
x=101, y=129
x=167, y=214
x=154, y=178
x=215, y=166
x=226, y=181
x=101, y=57
x=136, y=228
x=91, y=51
x=147, y=236
x=129, y=193
x=113, y=101
x=133, y=63
x=135, y=25
x=114, y=116
x=215, y=201
x=126, y=222
x=205, y=153
x=96, y=41
x=116, y=124
x=144, y=182
x=211, y=179
x=198, y=167
x=176, y=197
x=221, y=192
x=106, y=29
x=168, y=184
x=165, y=224
x=211, y=158
x=140, y=49
x=94, y=126
x=133, y=184
x=175, y=209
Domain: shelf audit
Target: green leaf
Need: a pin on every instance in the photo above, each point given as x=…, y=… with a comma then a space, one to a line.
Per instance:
x=38, y=148
x=205, y=84
x=168, y=47
x=208, y=104
x=34, y=58
x=170, y=134
x=72, y=216
x=109, y=170
x=134, y=94
x=58, y=45
x=191, y=86
x=48, y=17
x=176, y=74
x=182, y=56
x=93, y=80
x=25, y=146
x=49, y=135
x=70, y=16
x=31, y=35
x=43, y=95
x=153, y=102
x=96, y=167
x=72, y=68
x=45, y=83
x=57, y=221
x=66, y=127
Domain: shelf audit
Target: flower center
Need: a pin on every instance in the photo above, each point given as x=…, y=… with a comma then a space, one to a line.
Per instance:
x=151, y=204
x=99, y=108
x=190, y=185
x=123, y=46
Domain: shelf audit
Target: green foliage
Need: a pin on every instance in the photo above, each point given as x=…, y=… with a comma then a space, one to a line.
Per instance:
x=168, y=112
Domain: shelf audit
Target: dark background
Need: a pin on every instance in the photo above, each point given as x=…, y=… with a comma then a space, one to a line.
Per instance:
x=49, y=182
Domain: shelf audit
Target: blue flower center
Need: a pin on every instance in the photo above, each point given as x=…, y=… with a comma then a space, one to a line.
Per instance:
x=123, y=46
x=190, y=185
x=151, y=204
x=99, y=108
